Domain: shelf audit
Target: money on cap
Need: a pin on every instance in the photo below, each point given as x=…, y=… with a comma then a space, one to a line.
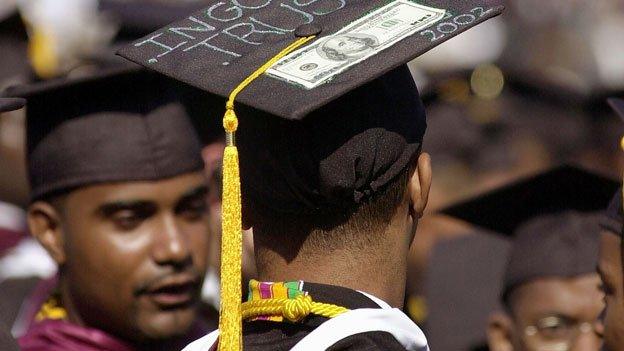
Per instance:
x=324, y=79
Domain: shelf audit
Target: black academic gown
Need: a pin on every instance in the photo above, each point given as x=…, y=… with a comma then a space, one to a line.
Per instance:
x=274, y=336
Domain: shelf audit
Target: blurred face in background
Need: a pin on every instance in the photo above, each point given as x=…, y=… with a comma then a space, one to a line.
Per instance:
x=132, y=255
x=610, y=270
x=13, y=177
x=550, y=315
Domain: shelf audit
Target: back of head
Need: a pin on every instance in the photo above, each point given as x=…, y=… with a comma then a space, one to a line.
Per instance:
x=343, y=166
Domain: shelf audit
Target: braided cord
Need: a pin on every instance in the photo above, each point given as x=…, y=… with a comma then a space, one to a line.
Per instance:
x=293, y=310
x=230, y=121
x=230, y=321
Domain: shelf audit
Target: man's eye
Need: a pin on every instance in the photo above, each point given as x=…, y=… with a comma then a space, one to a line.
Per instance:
x=555, y=331
x=127, y=220
x=195, y=209
x=554, y=328
x=605, y=288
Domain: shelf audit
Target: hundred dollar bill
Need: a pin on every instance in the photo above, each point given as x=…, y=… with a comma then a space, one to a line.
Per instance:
x=318, y=62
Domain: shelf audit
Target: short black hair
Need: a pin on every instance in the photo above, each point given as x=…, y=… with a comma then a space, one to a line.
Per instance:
x=351, y=227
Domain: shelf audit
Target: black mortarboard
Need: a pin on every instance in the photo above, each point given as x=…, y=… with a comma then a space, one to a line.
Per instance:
x=218, y=47
x=566, y=187
x=11, y=104
x=339, y=65
x=124, y=124
x=381, y=119
x=547, y=215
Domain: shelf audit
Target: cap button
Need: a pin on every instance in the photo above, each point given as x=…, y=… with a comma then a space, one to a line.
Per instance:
x=306, y=30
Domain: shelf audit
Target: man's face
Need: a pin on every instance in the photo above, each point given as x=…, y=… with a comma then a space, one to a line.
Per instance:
x=136, y=255
x=610, y=270
x=557, y=314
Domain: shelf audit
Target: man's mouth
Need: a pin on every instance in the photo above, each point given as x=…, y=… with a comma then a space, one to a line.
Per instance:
x=174, y=292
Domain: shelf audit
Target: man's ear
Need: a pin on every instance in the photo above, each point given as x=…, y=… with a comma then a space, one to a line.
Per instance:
x=419, y=185
x=44, y=223
x=499, y=332
x=247, y=217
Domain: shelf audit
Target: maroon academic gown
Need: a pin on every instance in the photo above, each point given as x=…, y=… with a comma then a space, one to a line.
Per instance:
x=62, y=335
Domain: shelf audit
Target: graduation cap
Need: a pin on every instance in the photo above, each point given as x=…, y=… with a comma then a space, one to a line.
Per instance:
x=566, y=187
x=11, y=104
x=552, y=218
x=352, y=44
x=124, y=124
x=324, y=80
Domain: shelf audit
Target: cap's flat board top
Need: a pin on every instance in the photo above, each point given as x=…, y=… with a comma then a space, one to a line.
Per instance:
x=11, y=104
x=562, y=188
x=216, y=48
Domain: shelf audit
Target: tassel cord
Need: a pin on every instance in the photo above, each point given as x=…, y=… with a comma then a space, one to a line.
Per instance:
x=230, y=318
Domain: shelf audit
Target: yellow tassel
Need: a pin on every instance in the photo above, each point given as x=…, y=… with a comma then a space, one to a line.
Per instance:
x=231, y=254
x=42, y=54
x=230, y=316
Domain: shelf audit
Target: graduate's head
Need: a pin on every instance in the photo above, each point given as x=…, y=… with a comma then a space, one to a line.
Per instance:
x=343, y=176
x=611, y=273
x=118, y=199
x=551, y=289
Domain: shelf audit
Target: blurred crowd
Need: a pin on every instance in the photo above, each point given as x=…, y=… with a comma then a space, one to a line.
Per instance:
x=515, y=107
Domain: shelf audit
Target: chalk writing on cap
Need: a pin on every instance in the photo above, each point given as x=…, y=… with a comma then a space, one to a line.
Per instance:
x=206, y=32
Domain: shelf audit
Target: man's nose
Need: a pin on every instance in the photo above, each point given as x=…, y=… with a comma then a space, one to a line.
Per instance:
x=171, y=246
x=588, y=341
